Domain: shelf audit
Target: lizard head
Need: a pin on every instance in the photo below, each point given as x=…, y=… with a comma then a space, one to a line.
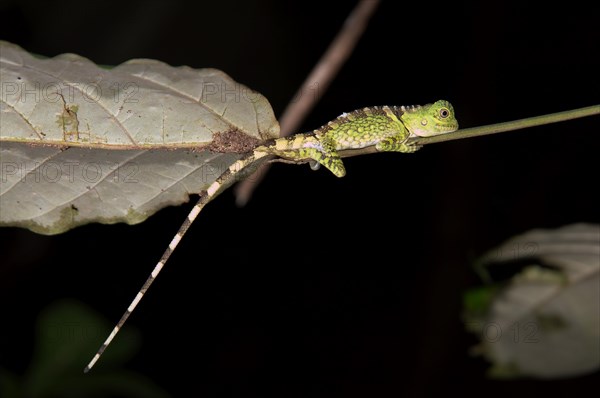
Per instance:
x=432, y=119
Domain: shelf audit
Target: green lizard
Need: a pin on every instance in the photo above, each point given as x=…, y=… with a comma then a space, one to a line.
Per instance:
x=387, y=128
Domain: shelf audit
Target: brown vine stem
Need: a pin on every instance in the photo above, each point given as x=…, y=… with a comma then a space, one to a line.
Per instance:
x=320, y=77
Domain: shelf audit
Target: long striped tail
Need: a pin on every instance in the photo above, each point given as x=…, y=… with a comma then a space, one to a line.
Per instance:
x=223, y=182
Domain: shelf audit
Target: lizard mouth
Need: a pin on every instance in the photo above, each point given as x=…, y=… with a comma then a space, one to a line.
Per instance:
x=446, y=128
x=439, y=128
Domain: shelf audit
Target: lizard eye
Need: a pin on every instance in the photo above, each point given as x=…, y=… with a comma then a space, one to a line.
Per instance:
x=444, y=113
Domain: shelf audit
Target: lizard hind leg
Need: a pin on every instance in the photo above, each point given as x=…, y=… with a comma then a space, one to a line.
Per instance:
x=327, y=156
x=333, y=163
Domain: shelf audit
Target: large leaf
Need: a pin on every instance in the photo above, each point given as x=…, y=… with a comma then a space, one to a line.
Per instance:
x=545, y=322
x=50, y=190
x=68, y=100
x=80, y=144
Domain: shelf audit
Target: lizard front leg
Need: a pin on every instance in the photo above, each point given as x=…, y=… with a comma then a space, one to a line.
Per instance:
x=396, y=143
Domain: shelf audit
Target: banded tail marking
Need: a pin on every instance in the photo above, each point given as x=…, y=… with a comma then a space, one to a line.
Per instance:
x=226, y=179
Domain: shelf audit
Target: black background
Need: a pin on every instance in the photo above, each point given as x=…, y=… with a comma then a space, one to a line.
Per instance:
x=325, y=286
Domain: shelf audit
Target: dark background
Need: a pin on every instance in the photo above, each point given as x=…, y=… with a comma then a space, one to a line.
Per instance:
x=325, y=286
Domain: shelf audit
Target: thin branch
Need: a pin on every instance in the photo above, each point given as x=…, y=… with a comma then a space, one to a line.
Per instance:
x=315, y=84
x=491, y=129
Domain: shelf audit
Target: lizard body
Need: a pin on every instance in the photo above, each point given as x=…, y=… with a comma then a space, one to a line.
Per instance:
x=386, y=127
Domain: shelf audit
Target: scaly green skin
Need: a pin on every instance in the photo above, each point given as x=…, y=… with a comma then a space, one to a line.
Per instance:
x=388, y=128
